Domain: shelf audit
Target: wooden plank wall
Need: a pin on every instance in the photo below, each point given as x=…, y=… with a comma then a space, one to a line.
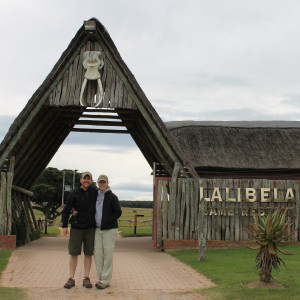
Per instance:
x=178, y=202
x=67, y=91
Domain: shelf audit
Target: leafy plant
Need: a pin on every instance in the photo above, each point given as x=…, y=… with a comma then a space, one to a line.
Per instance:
x=270, y=232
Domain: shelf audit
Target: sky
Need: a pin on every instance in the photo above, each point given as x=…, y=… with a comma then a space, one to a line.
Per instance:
x=219, y=60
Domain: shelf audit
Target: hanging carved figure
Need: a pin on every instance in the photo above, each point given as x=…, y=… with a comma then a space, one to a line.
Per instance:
x=92, y=62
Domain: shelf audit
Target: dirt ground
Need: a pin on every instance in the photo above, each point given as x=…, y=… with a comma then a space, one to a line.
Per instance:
x=263, y=285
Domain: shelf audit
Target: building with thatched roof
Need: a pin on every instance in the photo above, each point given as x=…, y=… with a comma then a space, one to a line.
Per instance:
x=253, y=149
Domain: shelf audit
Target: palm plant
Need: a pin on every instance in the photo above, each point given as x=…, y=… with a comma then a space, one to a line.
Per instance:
x=270, y=232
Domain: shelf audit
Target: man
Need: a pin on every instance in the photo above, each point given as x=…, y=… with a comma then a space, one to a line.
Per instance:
x=81, y=204
x=108, y=211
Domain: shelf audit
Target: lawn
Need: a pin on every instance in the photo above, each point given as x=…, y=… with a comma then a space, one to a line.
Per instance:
x=9, y=293
x=233, y=269
x=144, y=224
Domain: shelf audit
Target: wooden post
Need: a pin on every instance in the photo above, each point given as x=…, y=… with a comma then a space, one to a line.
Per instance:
x=7, y=241
x=159, y=215
x=5, y=199
x=9, y=182
x=172, y=202
x=297, y=195
x=165, y=207
x=3, y=214
x=135, y=222
x=201, y=230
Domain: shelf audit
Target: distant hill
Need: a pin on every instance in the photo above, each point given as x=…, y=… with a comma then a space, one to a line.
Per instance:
x=136, y=204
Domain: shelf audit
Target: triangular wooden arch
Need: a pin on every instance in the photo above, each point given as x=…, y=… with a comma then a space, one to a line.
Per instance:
x=54, y=111
x=65, y=102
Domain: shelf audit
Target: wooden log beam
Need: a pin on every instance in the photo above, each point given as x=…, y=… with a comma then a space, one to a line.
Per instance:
x=100, y=123
x=27, y=205
x=99, y=117
x=101, y=110
x=165, y=208
x=100, y=130
x=21, y=190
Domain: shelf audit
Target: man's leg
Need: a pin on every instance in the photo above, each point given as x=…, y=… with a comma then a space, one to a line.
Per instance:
x=87, y=265
x=73, y=265
x=74, y=246
x=72, y=268
x=88, y=249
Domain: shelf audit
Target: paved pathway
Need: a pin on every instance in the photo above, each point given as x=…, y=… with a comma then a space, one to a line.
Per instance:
x=140, y=272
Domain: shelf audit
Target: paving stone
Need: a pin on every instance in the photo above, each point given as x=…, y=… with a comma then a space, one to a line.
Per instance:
x=140, y=272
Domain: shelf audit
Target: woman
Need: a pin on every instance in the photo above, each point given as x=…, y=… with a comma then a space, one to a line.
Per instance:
x=108, y=211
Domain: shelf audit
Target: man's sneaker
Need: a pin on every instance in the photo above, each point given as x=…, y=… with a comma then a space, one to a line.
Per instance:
x=87, y=283
x=101, y=286
x=70, y=283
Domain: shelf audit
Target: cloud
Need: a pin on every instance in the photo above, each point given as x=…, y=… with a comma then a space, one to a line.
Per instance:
x=5, y=123
x=134, y=190
x=217, y=113
x=134, y=186
x=210, y=80
x=101, y=139
x=291, y=99
x=247, y=114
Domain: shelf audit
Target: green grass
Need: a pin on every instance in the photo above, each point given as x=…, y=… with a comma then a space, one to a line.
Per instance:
x=144, y=224
x=51, y=231
x=140, y=231
x=233, y=269
x=9, y=293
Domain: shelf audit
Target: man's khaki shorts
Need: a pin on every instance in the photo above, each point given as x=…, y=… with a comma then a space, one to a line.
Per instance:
x=79, y=238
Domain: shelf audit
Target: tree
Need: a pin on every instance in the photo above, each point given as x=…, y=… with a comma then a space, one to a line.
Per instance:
x=270, y=233
x=48, y=191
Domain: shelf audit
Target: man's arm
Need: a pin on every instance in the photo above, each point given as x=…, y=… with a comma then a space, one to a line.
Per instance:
x=66, y=211
x=65, y=231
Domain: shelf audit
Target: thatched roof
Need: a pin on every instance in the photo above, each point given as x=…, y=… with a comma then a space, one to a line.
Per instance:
x=268, y=149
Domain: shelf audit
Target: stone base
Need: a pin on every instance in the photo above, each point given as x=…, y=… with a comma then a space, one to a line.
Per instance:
x=7, y=242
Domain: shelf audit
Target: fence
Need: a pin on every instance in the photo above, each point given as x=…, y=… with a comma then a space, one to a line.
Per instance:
x=130, y=223
x=229, y=207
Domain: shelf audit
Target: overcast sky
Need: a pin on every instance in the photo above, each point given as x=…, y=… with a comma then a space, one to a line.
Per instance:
x=194, y=59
